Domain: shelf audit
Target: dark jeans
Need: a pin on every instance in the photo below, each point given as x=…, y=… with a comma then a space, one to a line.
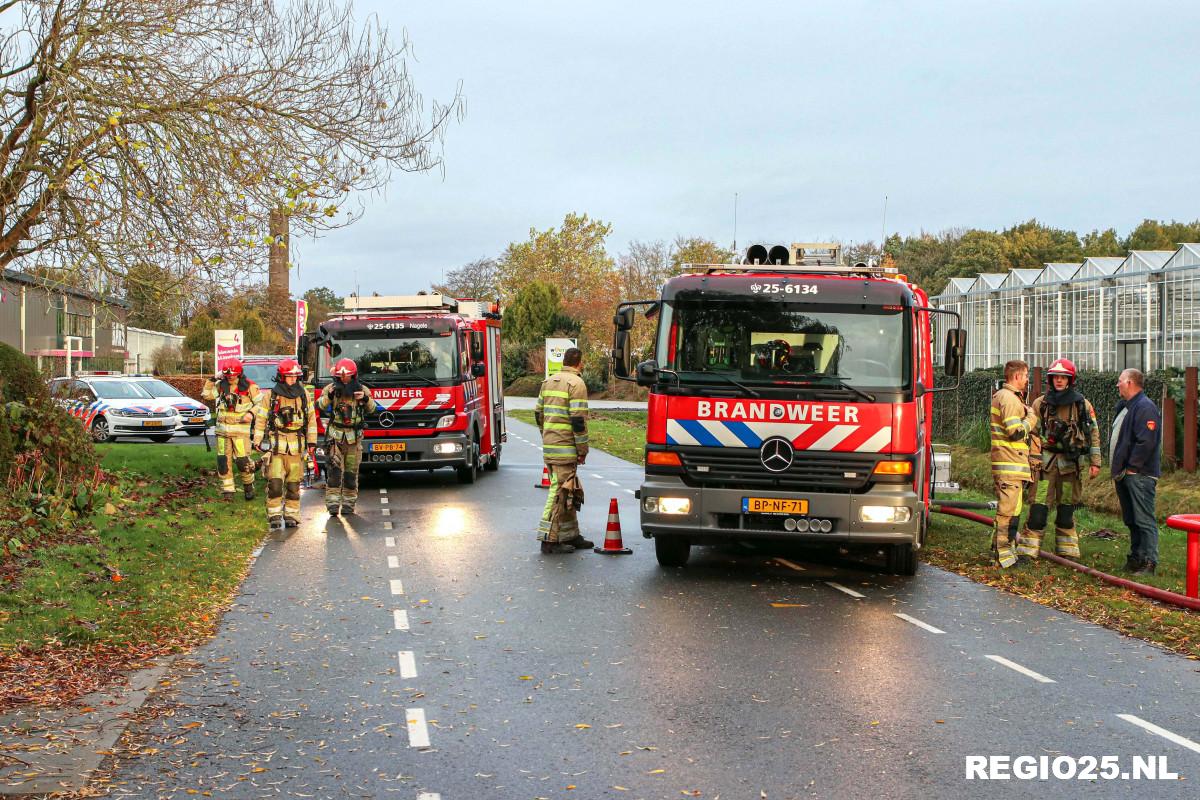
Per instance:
x=1136, y=494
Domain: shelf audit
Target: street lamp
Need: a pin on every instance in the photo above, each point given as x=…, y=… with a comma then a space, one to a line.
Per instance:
x=67, y=340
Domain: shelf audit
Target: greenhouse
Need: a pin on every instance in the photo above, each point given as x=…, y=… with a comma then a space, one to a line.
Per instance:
x=1140, y=311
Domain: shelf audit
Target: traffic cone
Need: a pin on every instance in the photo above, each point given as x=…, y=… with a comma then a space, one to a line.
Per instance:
x=612, y=533
x=545, y=484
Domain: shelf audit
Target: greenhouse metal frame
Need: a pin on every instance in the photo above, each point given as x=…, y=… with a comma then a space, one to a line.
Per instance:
x=1140, y=311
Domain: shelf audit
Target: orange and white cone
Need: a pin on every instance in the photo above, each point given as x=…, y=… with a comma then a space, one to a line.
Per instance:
x=545, y=484
x=612, y=533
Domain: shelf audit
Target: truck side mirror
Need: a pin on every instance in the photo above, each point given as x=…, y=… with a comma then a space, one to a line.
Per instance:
x=478, y=369
x=622, y=359
x=477, y=346
x=308, y=352
x=956, y=352
x=647, y=373
x=623, y=321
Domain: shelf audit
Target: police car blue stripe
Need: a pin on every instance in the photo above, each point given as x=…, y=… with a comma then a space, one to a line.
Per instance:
x=699, y=433
x=742, y=431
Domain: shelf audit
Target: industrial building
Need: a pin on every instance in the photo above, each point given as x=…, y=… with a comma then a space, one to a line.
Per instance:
x=1140, y=311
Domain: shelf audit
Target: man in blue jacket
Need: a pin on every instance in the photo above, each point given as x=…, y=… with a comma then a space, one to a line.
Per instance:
x=1134, y=454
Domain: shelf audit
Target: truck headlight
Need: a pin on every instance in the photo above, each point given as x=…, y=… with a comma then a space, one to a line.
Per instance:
x=443, y=448
x=885, y=514
x=667, y=505
x=444, y=422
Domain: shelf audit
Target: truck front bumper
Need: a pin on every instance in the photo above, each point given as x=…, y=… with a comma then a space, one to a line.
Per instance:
x=716, y=515
x=427, y=452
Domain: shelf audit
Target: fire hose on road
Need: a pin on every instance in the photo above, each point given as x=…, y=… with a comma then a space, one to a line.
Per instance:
x=1192, y=522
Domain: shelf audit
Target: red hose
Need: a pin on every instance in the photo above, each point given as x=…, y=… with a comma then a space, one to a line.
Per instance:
x=1153, y=592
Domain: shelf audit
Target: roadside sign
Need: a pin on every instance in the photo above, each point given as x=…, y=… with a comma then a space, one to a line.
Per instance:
x=555, y=350
x=301, y=323
x=228, y=344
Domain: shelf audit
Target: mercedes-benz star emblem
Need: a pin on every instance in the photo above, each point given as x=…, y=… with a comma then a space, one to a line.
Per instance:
x=386, y=420
x=777, y=454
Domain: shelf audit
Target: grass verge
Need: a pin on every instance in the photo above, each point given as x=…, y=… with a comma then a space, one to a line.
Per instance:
x=148, y=578
x=620, y=433
x=963, y=547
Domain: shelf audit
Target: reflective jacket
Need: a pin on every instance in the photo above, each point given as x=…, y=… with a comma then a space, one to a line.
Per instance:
x=346, y=416
x=235, y=409
x=1069, y=414
x=561, y=413
x=289, y=425
x=1012, y=424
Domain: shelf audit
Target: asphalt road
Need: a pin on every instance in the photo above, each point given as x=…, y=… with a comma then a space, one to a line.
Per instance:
x=425, y=649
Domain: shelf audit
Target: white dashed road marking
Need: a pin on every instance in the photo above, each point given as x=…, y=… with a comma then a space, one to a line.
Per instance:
x=387, y=526
x=387, y=512
x=393, y=562
x=400, y=618
x=629, y=491
x=920, y=624
x=1023, y=670
x=397, y=586
x=389, y=541
x=429, y=796
x=383, y=501
x=408, y=664
x=597, y=476
x=843, y=589
x=613, y=483
x=383, y=491
x=1163, y=732
x=790, y=565
x=418, y=734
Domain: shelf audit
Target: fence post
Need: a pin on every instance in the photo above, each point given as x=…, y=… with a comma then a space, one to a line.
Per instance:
x=1170, y=417
x=1189, y=419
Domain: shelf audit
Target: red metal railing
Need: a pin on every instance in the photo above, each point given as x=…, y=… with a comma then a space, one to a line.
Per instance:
x=1190, y=524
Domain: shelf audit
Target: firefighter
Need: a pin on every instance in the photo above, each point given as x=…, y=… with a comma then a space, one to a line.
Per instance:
x=235, y=400
x=1070, y=440
x=1012, y=423
x=561, y=414
x=346, y=401
x=287, y=433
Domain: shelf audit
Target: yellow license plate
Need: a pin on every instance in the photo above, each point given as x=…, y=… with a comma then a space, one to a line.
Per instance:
x=389, y=447
x=773, y=505
x=152, y=423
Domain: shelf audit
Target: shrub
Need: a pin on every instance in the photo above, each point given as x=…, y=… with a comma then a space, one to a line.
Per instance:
x=19, y=377
x=525, y=386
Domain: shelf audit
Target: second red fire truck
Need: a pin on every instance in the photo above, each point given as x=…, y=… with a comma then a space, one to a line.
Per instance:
x=432, y=364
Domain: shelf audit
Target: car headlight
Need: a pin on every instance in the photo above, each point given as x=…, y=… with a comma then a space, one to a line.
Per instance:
x=443, y=448
x=667, y=505
x=445, y=422
x=885, y=514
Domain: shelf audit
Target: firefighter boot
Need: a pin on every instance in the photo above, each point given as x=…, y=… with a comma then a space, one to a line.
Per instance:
x=227, y=496
x=275, y=522
x=580, y=543
x=1002, y=548
x=1031, y=537
x=1066, y=538
x=333, y=510
x=555, y=548
x=291, y=522
x=248, y=491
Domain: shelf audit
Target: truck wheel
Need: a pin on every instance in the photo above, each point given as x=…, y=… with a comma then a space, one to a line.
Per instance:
x=468, y=472
x=672, y=551
x=493, y=463
x=902, y=559
x=101, y=431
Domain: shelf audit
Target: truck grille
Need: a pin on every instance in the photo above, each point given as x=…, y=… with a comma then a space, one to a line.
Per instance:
x=742, y=468
x=410, y=419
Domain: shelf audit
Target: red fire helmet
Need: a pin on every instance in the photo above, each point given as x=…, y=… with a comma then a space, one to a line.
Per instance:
x=345, y=366
x=231, y=366
x=1062, y=366
x=289, y=366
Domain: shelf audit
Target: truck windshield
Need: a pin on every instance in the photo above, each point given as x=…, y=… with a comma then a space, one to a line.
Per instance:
x=407, y=359
x=770, y=342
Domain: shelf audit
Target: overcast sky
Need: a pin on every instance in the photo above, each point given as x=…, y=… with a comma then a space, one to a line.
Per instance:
x=651, y=115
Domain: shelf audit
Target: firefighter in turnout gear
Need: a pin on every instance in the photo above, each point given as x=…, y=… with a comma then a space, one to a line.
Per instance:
x=561, y=414
x=287, y=433
x=1012, y=424
x=346, y=401
x=1070, y=442
x=235, y=400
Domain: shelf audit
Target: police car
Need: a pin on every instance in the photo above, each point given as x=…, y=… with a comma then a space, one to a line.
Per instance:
x=193, y=414
x=115, y=406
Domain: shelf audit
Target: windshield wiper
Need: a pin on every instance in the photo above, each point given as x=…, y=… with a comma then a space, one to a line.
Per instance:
x=839, y=384
x=738, y=384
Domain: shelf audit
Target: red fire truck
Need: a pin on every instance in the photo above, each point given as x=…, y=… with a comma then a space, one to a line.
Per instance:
x=433, y=366
x=791, y=397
